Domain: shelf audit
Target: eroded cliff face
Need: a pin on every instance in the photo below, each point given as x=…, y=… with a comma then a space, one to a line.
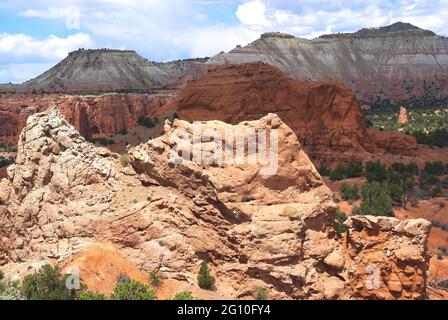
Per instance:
x=63, y=195
x=99, y=116
x=325, y=115
x=397, y=62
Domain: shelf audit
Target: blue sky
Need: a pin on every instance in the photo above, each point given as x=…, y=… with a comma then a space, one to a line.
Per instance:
x=34, y=35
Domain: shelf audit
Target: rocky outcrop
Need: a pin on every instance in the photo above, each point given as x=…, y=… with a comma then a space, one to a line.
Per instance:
x=325, y=115
x=99, y=116
x=276, y=231
x=398, y=62
x=377, y=244
x=403, y=116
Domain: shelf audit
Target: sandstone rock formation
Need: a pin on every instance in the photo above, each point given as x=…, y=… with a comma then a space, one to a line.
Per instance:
x=403, y=116
x=397, y=62
x=93, y=116
x=63, y=195
x=325, y=115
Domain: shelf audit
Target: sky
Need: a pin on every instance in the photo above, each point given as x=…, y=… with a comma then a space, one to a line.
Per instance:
x=35, y=35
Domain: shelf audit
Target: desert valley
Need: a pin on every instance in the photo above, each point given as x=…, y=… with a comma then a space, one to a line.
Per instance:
x=357, y=209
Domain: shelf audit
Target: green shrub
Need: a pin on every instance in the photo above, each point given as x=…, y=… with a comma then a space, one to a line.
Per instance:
x=103, y=141
x=184, y=295
x=87, y=295
x=338, y=173
x=436, y=224
x=375, y=171
x=205, y=279
x=412, y=168
x=435, y=168
x=396, y=193
x=155, y=278
x=339, y=222
x=356, y=211
x=324, y=171
x=350, y=193
x=6, y=161
x=47, y=284
x=146, y=122
x=132, y=290
x=436, y=192
x=261, y=293
x=10, y=291
x=354, y=169
x=376, y=201
x=124, y=160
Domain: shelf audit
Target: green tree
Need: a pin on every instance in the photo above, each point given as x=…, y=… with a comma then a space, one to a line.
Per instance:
x=350, y=193
x=47, y=284
x=435, y=168
x=338, y=173
x=354, y=169
x=375, y=200
x=205, y=279
x=412, y=168
x=184, y=295
x=132, y=290
x=375, y=171
x=396, y=193
x=324, y=171
x=87, y=295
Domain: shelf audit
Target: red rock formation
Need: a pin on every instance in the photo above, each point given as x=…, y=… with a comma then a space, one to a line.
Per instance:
x=93, y=116
x=325, y=115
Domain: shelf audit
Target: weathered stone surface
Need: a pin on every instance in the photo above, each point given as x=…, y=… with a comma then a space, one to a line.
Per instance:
x=66, y=196
x=385, y=260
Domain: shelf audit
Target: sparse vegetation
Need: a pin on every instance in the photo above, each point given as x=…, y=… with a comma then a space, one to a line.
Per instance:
x=87, y=295
x=6, y=161
x=103, y=141
x=47, y=284
x=205, y=279
x=124, y=160
x=339, y=222
x=428, y=125
x=146, y=122
x=261, y=293
x=132, y=290
x=376, y=201
x=350, y=192
x=184, y=295
x=155, y=278
x=346, y=171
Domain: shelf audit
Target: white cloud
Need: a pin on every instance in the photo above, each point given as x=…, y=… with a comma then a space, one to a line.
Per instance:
x=21, y=47
x=23, y=57
x=17, y=73
x=71, y=14
x=311, y=18
x=253, y=13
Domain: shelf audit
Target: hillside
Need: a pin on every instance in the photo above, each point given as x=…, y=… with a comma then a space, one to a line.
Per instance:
x=397, y=62
x=99, y=70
